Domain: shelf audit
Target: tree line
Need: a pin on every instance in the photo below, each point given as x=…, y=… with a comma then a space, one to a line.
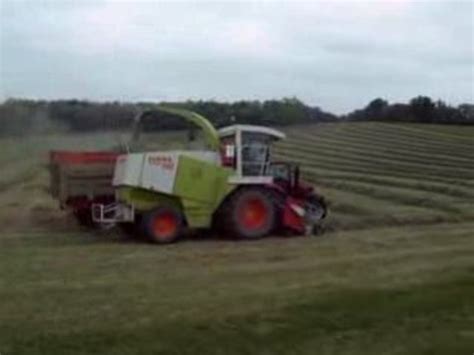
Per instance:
x=419, y=109
x=21, y=116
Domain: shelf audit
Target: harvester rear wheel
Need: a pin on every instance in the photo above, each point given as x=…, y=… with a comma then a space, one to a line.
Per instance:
x=251, y=213
x=163, y=225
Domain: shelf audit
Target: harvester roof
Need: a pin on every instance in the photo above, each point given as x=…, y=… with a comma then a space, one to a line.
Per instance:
x=231, y=130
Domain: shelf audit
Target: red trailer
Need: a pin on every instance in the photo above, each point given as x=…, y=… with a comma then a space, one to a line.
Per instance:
x=79, y=179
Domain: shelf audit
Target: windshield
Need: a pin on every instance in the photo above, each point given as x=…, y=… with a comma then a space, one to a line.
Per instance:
x=255, y=153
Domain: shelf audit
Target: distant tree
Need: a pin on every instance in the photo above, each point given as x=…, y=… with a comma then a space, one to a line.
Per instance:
x=467, y=112
x=375, y=109
x=19, y=116
x=419, y=109
x=423, y=109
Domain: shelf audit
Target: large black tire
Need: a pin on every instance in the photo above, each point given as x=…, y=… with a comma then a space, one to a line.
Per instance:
x=250, y=213
x=317, y=208
x=163, y=225
x=317, y=204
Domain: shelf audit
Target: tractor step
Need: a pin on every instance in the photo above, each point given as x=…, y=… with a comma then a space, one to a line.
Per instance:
x=112, y=213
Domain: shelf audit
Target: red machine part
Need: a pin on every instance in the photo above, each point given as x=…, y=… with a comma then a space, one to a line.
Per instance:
x=227, y=152
x=81, y=205
x=253, y=213
x=165, y=224
x=70, y=157
x=291, y=219
x=293, y=202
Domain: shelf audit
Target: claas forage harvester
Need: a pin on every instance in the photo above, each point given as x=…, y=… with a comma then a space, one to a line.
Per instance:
x=231, y=185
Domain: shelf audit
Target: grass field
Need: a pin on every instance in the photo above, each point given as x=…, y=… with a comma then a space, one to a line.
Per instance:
x=392, y=274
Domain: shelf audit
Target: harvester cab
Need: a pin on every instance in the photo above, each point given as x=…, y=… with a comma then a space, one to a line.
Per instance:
x=231, y=184
x=247, y=149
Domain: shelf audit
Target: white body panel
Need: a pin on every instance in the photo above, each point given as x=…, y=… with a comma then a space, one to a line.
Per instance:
x=128, y=169
x=159, y=171
x=156, y=170
x=250, y=180
x=232, y=130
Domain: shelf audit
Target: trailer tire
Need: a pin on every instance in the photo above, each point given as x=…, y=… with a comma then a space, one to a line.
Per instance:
x=163, y=225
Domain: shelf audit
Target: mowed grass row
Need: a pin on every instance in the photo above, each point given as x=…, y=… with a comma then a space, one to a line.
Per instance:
x=450, y=190
x=378, y=171
x=429, y=132
x=376, y=163
x=365, y=149
x=378, y=151
x=375, y=173
x=363, y=135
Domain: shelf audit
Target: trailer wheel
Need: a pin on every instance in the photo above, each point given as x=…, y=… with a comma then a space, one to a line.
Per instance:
x=251, y=213
x=84, y=217
x=163, y=225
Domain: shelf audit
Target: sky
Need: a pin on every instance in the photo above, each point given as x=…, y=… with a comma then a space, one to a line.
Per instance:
x=338, y=55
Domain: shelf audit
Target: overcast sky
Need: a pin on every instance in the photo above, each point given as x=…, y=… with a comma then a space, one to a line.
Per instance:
x=337, y=55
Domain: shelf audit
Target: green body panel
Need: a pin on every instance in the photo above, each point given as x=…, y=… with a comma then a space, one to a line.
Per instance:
x=199, y=188
x=212, y=137
x=210, y=133
x=145, y=200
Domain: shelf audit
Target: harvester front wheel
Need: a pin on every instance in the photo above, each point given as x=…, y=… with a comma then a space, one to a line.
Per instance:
x=163, y=225
x=251, y=213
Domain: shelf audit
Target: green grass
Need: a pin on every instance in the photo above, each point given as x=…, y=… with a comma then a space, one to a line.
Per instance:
x=391, y=290
x=393, y=274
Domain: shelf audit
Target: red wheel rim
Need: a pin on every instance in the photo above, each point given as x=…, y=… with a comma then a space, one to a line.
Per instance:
x=253, y=213
x=165, y=225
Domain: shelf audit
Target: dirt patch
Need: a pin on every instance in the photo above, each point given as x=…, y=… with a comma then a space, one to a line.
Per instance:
x=37, y=217
x=49, y=218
